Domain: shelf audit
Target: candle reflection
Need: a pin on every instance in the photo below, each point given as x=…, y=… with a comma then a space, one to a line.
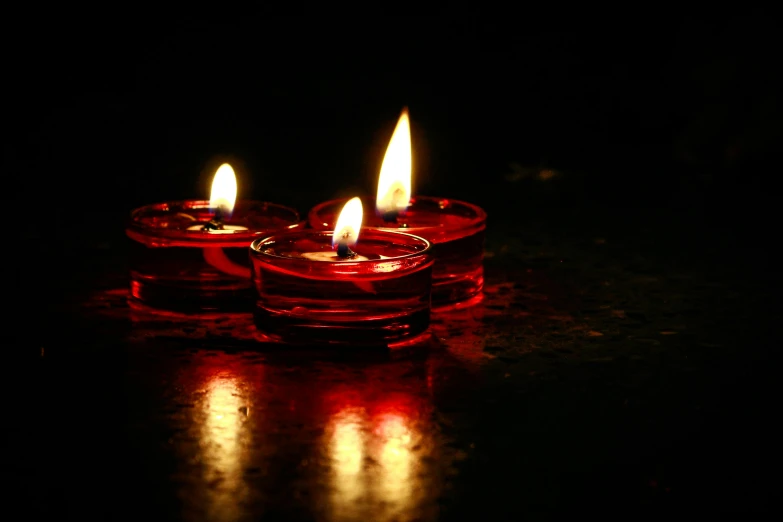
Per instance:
x=316, y=441
x=222, y=447
x=374, y=455
x=347, y=452
x=395, y=459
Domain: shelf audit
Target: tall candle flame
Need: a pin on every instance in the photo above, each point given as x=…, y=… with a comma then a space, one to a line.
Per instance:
x=346, y=231
x=224, y=190
x=394, y=182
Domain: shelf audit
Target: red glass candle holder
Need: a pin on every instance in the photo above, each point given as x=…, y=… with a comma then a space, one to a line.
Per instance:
x=456, y=230
x=177, y=265
x=306, y=294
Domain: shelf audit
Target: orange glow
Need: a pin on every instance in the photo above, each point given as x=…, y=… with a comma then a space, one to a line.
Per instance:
x=224, y=189
x=380, y=453
x=222, y=449
x=394, y=182
x=397, y=460
x=349, y=223
x=347, y=452
x=347, y=443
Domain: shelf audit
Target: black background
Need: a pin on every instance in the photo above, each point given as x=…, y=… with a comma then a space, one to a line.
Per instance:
x=109, y=113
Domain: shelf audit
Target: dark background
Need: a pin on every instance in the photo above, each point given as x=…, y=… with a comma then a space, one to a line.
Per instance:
x=656, y=120
x=650, y=106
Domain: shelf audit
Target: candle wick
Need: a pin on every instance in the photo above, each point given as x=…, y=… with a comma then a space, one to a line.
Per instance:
x=216, y=223
x=213, y=224
x=397, y=197
x=343, y=250
x=389, y=216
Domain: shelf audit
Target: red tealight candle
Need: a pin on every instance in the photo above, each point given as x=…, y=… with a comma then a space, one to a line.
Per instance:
x=191, y=256
x=455, y=228
x=342, y=287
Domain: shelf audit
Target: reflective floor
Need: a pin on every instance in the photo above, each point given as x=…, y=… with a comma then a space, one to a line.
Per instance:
x=600, y=373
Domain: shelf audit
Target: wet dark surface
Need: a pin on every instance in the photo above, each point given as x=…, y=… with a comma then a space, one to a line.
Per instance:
x=619, y=363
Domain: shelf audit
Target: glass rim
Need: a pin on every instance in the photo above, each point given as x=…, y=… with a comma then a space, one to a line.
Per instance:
x=364, y=232
x=472, y=224
x=138, y=231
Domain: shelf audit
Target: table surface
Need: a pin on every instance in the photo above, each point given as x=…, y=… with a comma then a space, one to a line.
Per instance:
x=618, y=364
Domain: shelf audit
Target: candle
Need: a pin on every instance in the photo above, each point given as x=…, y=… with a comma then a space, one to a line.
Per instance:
x=191, y=256
x=455, y=228
x=312, y=288
x=346, y=233
x=222, y=198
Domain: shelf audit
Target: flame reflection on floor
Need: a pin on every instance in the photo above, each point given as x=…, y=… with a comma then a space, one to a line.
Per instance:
x=222, y=450
x=374, y=452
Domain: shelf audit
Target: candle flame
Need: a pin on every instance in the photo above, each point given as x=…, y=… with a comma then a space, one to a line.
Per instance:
x=346, y=230
x=224, y=189
x=394, y=182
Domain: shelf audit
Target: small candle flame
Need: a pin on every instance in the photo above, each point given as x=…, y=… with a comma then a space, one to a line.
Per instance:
x=394, y=182
x=346, y=231
x=224, y=190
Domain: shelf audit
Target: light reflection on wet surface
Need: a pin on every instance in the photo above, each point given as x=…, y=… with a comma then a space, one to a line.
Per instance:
x=375, y=456
x=397, y=462
x=222, y=444
x=282, y=435
x=346, y=447
x=357, y=440
x=569, y=388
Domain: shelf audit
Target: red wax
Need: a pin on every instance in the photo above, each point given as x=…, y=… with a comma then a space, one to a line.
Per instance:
x=176, y=265
x=455, y=228
x=381, y=297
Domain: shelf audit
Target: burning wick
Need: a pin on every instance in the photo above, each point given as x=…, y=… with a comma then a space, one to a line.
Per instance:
x=391, y=215
x=346, y=233
x=396, y=202
x=222, y=199
x=394, y=181
x=343, y=250
x=216, y=256
x=216, y=223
